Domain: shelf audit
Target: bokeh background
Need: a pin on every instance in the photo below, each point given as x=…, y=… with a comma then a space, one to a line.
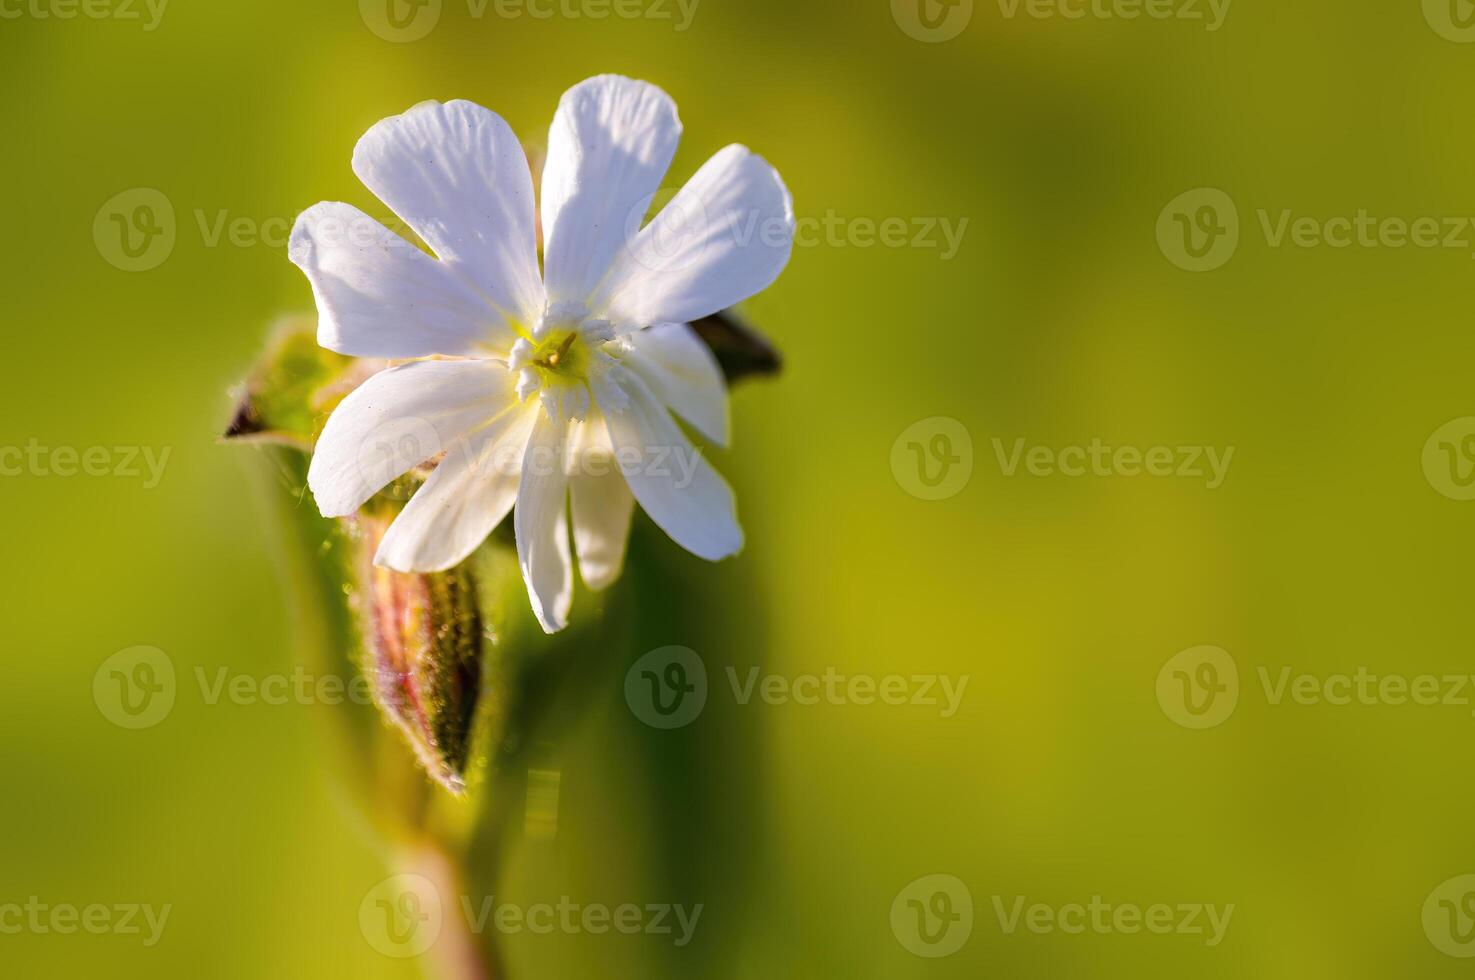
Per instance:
x=1062, y=317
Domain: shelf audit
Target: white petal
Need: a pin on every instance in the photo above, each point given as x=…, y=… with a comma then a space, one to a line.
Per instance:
x=456, y=173
x=541, y=524
x=378, y=295
x=464, y=500
x=684, y=373
x=671, y=479
x=601, y=504
x=589, y=437
x=610, y=146
x=724, y=237
x=397, y=420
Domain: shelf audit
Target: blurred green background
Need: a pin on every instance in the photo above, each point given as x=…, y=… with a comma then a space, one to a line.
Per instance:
x=1062, y=318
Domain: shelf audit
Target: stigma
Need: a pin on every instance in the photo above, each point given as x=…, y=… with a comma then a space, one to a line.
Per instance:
x=566, y=349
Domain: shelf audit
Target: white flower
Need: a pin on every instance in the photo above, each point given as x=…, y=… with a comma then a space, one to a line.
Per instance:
x=540, y=388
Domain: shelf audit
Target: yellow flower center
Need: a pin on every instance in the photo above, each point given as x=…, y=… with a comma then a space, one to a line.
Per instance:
x=562, y=358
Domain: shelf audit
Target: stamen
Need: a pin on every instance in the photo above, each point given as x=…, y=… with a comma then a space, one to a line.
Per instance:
x=561, y=353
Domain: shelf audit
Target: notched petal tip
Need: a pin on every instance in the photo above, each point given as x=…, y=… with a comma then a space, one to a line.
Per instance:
x=617, y=85
x=771, y=172
x=385, y=128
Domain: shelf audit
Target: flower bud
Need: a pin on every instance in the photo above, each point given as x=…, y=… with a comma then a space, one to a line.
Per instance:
x=422, y=653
